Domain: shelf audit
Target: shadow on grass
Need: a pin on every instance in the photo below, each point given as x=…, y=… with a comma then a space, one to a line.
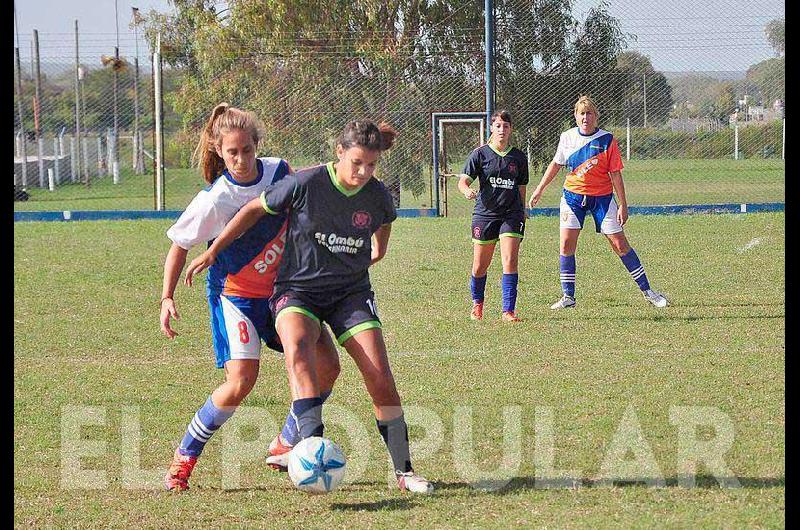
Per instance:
x=388, y=504
x=503, y=487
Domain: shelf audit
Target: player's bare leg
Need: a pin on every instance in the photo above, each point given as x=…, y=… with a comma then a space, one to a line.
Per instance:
x=368, y=350
x=481, y=259
x=509, y=254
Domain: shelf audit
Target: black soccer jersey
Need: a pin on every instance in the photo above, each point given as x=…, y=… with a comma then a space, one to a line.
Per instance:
x=499, y=176
x=329, y=239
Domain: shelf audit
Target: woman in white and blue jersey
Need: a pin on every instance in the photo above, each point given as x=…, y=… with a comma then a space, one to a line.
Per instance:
x=240, y=282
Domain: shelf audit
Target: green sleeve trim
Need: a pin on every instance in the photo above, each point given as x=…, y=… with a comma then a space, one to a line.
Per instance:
x=264, y=204
x=370, y=324
x=293, y=309
x=488, y=242
x=342, y=189
x=511, y=234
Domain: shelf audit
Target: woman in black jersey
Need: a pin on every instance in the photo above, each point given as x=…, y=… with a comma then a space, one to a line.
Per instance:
x=499, y=214
x=339, y=224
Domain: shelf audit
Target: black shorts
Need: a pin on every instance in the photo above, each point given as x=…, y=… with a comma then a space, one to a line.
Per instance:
x=346, y=316
x=489, y=231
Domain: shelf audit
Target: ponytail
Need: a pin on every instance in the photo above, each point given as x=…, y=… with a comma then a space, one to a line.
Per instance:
x=366, y=134
x=223, y=118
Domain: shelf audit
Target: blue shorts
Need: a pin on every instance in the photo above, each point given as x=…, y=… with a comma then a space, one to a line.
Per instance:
x=238, y=325
x=603, y=208
x=346, y=315
x=489, y=231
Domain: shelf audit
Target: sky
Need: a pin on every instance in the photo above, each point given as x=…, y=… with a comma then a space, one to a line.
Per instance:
x=677, y=35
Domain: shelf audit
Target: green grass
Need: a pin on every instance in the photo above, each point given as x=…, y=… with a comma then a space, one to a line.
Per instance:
x=86, y=334
x=648, y=182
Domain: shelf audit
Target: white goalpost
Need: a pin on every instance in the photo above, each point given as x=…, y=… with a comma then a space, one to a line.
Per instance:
x=439, y=123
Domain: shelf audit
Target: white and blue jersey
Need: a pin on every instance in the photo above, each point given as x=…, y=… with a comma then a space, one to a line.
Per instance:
x=241, y=280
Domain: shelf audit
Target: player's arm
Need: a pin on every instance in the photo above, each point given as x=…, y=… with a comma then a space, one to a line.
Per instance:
x=246, y=217
x=464, y=182
x=173, y=265
x=622, y=201
x=549, y=174
x=522, y=189
x=380, y=242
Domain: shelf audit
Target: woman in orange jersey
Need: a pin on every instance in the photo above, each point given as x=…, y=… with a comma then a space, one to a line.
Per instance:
x=595, y=174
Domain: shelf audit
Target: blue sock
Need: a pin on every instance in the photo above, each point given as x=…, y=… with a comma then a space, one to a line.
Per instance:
x=290, y=433
x=307, y=413
x=568, y=275
x=478, y=287
x=635, y=267
x=206, y=421
x=510, y=291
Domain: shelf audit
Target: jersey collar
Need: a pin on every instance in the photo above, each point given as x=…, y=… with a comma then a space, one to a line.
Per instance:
x=260, y=169
x=342, y=189
x=501, y=153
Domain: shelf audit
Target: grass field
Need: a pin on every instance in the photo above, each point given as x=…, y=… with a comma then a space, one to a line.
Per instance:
x=86, y=335
x=648, y=182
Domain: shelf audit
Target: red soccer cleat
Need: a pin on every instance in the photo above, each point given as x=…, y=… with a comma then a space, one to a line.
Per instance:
x=510, y=316
x=278, y=458
x=477, y=311
x=177, y=478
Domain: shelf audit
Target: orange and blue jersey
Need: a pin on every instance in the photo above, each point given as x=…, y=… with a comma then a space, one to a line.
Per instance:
x=590, y=159
x=248, y=267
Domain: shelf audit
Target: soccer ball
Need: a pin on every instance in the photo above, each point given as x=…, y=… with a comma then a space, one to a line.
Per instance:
x=316, y=465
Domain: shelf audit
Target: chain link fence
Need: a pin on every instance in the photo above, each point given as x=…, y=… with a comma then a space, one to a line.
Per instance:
x=701, y=127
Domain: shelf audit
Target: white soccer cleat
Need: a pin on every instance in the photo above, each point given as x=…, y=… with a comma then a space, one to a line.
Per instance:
x=565, y=302
x=414, y=483
x=655, y=298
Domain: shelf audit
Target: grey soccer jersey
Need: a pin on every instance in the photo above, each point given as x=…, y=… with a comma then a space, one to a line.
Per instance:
x=329, y=239
x=499, y=175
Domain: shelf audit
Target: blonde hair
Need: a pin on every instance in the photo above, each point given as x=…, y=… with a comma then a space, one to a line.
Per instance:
x=224, y=118
x=585, y=102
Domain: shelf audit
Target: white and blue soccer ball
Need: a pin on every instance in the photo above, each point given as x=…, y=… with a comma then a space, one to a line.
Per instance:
x=316, y=465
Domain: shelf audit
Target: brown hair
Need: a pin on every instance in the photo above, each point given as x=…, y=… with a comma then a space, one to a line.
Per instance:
x=585, y=102
x=504, y=115
x=366, y=134
x=224, y=118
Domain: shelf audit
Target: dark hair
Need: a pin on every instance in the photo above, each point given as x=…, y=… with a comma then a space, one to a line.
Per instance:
x=502, y=114
x=366, y=134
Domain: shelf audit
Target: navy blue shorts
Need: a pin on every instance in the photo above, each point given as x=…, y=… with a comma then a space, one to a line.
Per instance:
x=346, y=316
x=489, y=231
x=238, y=325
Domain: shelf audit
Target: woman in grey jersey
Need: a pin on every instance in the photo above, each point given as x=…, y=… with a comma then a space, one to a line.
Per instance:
x=339, y=224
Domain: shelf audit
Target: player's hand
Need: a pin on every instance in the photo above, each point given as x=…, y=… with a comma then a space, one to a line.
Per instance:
x=168, y=310
x=622, y=214
x=535, y=196
x=470, y=194
x=198, y=265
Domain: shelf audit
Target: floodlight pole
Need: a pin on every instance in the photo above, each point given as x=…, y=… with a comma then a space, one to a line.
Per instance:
x=489, y=58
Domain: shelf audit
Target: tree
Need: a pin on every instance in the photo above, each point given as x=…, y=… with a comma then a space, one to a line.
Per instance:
x=644, y=92
x=769, y=77
x=776, y=35
x=308, y=66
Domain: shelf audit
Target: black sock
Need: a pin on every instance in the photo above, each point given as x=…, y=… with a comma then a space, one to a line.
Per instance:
x=395, y=436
